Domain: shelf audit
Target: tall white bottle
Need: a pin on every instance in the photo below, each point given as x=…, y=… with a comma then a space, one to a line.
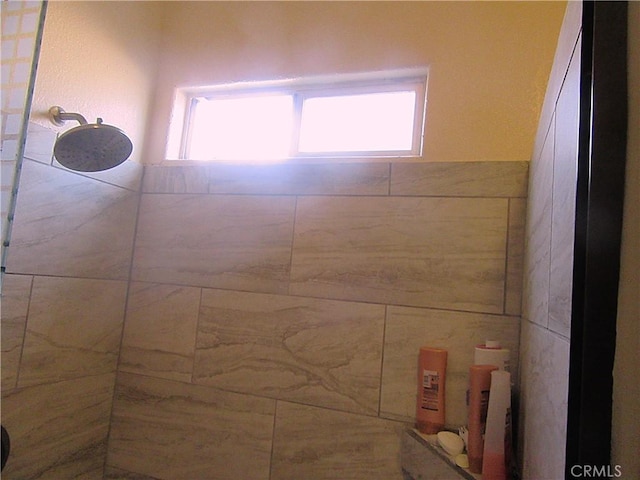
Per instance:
x=497, y=439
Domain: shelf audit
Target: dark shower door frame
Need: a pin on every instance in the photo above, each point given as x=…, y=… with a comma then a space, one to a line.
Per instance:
x=598, y=229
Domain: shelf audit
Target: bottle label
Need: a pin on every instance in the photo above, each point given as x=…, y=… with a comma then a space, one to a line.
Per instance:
x=430, y=387
x=484, y=407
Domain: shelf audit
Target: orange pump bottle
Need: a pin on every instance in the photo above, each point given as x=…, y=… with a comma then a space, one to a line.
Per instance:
x=479, y=385
x=432, y=369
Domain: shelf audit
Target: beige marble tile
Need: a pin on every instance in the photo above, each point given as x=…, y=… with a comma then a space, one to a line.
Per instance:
x=39, y=143
x=160, y=330
x=318, y=352
x=235, y=242
x=58, y=430
x=544, y=387
x=168, y=429
x=466, y=179
x=126, y=175
x=515, y=256
x=73, y=329
x=408, y=329
x=436, y=252
x=320, y=444
x=111, y=473
x=538, y=237
x=176, y=179
x=16, y=290
x=321, y=179
x=70, y=225
x=565, y=174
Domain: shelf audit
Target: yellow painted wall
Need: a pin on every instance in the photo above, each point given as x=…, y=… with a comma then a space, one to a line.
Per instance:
x=489, y=61
x=122, y=60
x=99, y=59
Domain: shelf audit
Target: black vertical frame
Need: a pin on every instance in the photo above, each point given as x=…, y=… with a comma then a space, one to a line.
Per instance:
x=598, y=229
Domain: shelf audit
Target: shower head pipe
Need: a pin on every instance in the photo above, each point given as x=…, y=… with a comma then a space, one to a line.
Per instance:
x=58, y=116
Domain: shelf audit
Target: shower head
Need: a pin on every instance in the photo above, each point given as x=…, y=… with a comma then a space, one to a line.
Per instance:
x=92, y=147
x=89, y=147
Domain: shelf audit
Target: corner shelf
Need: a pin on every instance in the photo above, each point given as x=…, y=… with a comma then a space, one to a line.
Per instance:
x=423, y=459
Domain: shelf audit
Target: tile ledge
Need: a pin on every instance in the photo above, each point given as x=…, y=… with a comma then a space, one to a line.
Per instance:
x=414, y=442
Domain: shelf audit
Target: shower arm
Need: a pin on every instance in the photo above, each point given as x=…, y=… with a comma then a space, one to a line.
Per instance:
x=58, y=116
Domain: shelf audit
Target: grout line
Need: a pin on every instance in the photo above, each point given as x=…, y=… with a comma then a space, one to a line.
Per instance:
x=544, y=330
x=102, y=181
x=293, y=237
x=24, y=332
x=549, y=239
x=387, y=194
x=124, y=320
x=209, y=174
x=195, y=345
x=384, y=334
x=506, y=260
x=273, y=438
x=328, y=298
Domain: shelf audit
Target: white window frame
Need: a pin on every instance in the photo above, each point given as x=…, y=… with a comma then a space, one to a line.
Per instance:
x=414, y=79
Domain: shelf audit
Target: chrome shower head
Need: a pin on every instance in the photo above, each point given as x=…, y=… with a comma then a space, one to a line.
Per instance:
x=89, y=147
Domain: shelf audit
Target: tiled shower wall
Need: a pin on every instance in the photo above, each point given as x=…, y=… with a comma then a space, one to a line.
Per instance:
x=63, y=300
x=301, y=295
x=546, y=315
x=257, y=322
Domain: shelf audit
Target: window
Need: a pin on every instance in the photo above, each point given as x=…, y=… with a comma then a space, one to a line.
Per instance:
x=240, y=127
x=379, y=114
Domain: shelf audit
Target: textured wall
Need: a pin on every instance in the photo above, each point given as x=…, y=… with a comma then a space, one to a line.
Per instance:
x=489, y=61
x=100, y=59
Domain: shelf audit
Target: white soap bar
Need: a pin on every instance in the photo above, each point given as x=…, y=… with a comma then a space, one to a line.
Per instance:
x=462, y=460
x=451, y=443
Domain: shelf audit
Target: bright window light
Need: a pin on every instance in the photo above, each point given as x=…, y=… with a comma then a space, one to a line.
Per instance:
x=349, y=123
x=379, y=114
x=241, y=128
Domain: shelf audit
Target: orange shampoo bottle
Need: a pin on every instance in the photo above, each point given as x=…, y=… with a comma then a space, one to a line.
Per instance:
x=432, y=369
